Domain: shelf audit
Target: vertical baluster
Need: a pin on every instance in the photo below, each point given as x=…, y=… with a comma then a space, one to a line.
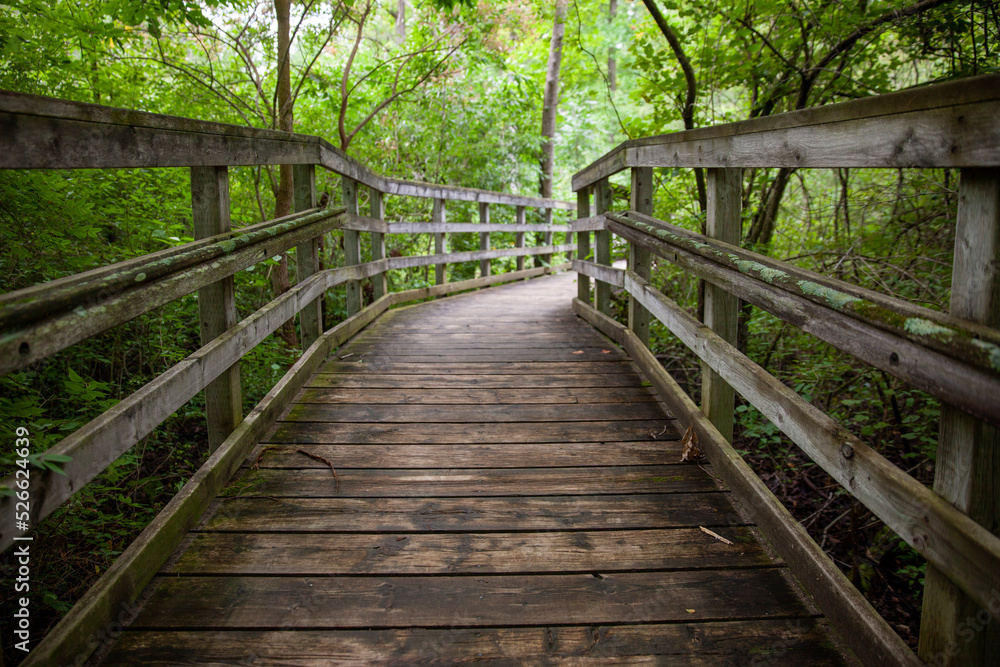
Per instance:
x=602, y=245
x=547, y=259
x=438, y=214
x=638, y=257
x=216, y=302
x=723, y=217
x=519, y=237
x=967, y=466
x=307, y=254
x=484, y=238
x=378, y=241
x=352, y=245
x=583, y=245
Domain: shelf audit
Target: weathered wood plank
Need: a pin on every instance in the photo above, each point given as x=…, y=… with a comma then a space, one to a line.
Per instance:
x=638, y=256
x=491, y=368
x=539, y=355
x=475, y=283
x=484, y=432
x=670, y=510
x=361, y=602
x=582, y=395
x=944, y=125
x=519, y=236
x=582, y=242
x=455, y=414
x=602, y=245
x=452, y=381
x=443, y=257
x=953, y=542
x=100, y=606
x=377, y=205
x=272, y=554
x=784, y=642
x=307, y=254
x=439, y=215
x=503, y=455
x=352, y=244
x=606, y=274
x=472, y=227
x=865, y=631
x=484, y=238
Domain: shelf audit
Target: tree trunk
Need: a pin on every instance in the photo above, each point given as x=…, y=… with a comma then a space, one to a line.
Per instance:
x=551, y=99
x=285, y=122
x=612, y=62
x=400, y=21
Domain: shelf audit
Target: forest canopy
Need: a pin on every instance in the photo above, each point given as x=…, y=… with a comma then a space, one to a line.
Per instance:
x=458, y=92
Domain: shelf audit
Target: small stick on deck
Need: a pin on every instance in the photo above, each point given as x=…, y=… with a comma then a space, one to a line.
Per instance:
x=322, y=460
x=715, y=535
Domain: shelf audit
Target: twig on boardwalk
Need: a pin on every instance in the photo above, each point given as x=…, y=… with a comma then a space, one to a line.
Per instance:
x=715, y=535
x=336, y=477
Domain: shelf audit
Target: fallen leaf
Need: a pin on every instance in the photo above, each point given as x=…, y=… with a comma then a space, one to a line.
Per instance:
x=400, y=539
x=715, y=535
x=690, y=442
x=578, y=352
x=605, y=351
x=690, y=611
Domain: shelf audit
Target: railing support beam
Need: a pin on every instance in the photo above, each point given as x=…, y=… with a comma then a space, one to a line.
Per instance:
x=723, y=218
x=547, y=259
x=307, y=254
x=216, y=302
x=352, y=245
x=484, y=238
x=602, y=245
x=967, y=467
x=583, y=245
x=377, y=205
x=638, y=257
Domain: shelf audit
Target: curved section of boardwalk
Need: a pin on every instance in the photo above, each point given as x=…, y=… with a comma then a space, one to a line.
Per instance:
x=506, y=490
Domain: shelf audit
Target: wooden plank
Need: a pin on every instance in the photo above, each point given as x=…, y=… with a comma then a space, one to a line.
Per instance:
x=272, y=554
x=602, y=246
x=352, y=244
x=504, y=455
x=98, y=443
x=456, y=414
x=495, y=368
x=364, y=223
x=595, y=431
x=971, y=386
x=582, y=243
x=547, y=235
x=944, y=125
x=784, y=642
x=607, y=274
x=638, y=257
x=122, y=583
x=476, y=514
x=376, y=358
x=581, y=395
x=454, y=381
x=379, y=285
x=216, y=302
x=471, y=227
x=307, y=254
x=586, y=223
x=724, y=223
x=484, y=238
x=424, y=344
x=396, y=186
x=519, y=236
x=362, y=602
x=864, y=630
x=967, y=465
x=947, y=538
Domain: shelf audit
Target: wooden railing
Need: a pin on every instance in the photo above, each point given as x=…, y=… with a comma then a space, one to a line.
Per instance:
x=43, y=133
x=955, y=356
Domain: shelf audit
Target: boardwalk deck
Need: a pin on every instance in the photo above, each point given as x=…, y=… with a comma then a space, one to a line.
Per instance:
x=506, y=490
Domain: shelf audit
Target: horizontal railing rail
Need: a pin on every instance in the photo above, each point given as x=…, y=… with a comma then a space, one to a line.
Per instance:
x=37, y=322
x=954, y=357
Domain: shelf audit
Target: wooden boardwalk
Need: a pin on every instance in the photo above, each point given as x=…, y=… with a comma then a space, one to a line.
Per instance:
x=506, y=491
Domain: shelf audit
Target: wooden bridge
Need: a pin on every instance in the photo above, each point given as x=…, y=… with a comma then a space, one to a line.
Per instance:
x=497, y=476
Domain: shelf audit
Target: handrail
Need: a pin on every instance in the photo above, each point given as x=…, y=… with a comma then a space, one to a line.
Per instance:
x=949, y=124
x=76, y=135
x=955, y=356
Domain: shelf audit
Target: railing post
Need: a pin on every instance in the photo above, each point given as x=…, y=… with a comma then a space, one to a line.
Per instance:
x=723, y=217
x=484, y=238
x=583, y=245
x=352, y=245
x=547, y=259
x=307, y=254
x=639, y=257
x=378, y=242
x=438, y=214
x=519, y=237
x=216, y=302
x=602, y=245
x=967, y=466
